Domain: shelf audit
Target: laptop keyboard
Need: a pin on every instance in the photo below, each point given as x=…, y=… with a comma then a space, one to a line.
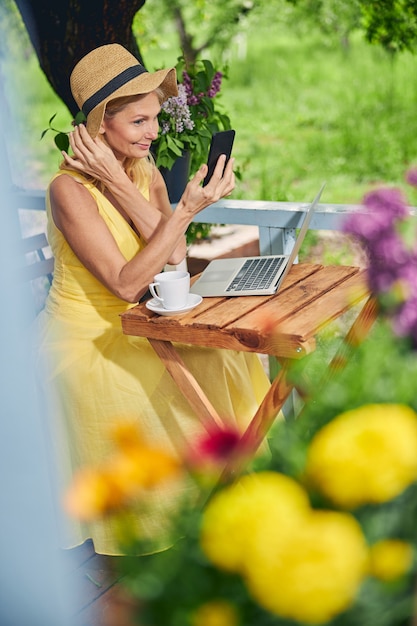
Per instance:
x=256, y=274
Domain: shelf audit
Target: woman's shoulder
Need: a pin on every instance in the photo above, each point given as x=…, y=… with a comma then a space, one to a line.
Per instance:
x=68, y=180
x=67, y=176
x=67, y=186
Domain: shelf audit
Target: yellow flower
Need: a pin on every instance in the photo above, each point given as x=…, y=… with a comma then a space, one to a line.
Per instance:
x=215, y=613
x=126, y=435
x=89, y=495
x=123, y=477
x=315, y=573
x=390, y=559
x=367, y=455
x=140, y=469
x=237, y=513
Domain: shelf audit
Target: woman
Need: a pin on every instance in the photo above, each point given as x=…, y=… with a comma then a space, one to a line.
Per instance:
x=111, y=229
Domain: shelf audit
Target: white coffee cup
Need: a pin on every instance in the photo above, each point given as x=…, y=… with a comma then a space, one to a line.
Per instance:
x=171, y=289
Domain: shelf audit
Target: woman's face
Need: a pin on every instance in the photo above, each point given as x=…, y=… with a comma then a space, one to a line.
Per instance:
x=130, y=131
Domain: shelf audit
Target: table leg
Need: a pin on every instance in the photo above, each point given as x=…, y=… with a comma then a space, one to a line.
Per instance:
x=187, y=384
x=281, y=389
x=262, y=421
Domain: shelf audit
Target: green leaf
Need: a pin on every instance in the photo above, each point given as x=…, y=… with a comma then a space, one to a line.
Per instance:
x=62, y=141
x=175, y=145
x=80, y=118
x=209, y=69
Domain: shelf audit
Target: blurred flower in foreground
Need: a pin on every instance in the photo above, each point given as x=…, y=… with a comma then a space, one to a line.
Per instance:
x=389, y=233
x=366, y=455
x=313, y=574
x=390, y=559
x=235, y=513
x=296, y=562
x=133, y=468
x=208, y=455
x=216, y=613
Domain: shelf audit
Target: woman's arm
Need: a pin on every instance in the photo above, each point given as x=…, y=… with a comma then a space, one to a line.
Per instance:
x=158, y=196
x=95, y=158
x=75, y=214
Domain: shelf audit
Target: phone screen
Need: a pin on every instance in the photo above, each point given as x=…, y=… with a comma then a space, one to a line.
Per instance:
x=221, y=143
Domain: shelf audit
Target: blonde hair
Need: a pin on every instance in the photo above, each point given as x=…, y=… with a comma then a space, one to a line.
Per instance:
x=140, y=171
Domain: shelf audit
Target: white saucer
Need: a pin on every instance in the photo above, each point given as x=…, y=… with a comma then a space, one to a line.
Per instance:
x=193, y=301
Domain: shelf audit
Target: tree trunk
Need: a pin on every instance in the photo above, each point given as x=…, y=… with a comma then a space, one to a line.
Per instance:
x=63, y=31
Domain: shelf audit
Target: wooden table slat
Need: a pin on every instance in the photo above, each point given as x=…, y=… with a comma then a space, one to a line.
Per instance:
x=299, y=297
x=332, y=304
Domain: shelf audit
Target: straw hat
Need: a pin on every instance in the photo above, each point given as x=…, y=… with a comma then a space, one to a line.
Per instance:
x=109, y=72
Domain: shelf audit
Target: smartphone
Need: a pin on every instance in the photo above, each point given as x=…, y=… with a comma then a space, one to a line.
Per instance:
x=221, y=143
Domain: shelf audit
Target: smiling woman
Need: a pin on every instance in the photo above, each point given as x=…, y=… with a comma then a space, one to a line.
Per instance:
x=132, y=121
x=111, y=229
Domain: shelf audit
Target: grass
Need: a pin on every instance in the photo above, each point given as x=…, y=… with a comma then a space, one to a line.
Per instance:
x=312, y=112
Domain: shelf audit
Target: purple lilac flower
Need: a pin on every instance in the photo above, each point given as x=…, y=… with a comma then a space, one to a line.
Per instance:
x=392, y=270
x=389, y=250
x=391, y=202
x=405, y=319
x=188, y=83
x=195, y=99
x=411, y=176
x=215, y=85
x=177, y=109
x=384, y=207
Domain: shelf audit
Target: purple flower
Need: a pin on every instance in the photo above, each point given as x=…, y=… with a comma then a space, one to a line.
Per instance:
x=411, y=177
x=383, y=208
x=404, y=321
x=389, y=250
x=389, y=201
x=215, y=85
x=178, y=113
x=194, y=99
x=385, y=230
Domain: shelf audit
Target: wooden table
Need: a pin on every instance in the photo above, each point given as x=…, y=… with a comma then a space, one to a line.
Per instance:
x=284, y=325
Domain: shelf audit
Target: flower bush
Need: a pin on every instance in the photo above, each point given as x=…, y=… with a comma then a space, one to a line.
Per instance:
x=321, y=529
x=188, y=121
x=389, y=233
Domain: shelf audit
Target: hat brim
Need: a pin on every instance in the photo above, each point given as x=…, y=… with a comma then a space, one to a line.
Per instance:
x=165, y=79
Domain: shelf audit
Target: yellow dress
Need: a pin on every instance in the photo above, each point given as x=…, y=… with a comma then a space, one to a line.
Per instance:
x=95, y=377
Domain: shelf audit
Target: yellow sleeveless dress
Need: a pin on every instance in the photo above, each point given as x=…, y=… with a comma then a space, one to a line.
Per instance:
x=95, y=377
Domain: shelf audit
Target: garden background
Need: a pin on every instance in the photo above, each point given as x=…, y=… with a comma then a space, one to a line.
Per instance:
x=309, y=103
x=305, y=109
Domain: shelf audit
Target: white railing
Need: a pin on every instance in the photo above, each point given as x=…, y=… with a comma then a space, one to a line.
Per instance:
x=277, y=221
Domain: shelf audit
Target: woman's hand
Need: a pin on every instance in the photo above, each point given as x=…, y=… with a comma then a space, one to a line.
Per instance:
x=92, y=156
x=196, y=198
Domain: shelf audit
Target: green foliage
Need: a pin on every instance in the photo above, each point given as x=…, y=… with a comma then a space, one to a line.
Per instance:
x=206, y=115
x=390, y=24
x=197, y=231
x=393, y=25
x=333, y=17
x=199, y=27
x=61, y=139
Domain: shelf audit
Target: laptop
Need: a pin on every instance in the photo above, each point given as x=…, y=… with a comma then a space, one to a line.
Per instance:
x=252, y=276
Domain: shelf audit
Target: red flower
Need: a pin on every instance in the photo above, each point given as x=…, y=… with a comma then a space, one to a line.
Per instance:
x=214, y=448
